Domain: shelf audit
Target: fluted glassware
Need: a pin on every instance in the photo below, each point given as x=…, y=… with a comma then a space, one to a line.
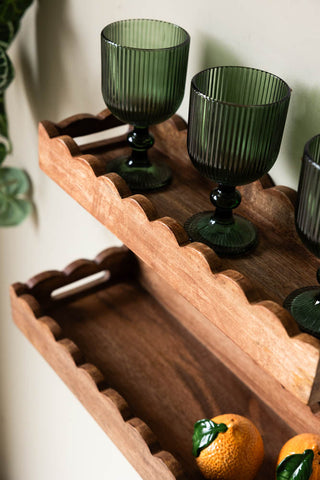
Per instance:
x=144, y=65
x=236, y=121
x=304, y=303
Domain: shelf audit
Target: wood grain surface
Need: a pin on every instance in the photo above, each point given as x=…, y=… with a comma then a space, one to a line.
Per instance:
x=31, y=303
x=243, y=296
x=135, y=366
x=297, y=415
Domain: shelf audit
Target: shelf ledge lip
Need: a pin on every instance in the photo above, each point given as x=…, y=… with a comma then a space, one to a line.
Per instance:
x=85, y=379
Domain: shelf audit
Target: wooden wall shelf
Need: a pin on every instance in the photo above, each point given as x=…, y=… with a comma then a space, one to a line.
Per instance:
x=242, y=297
x=171, y=333
x=138, y=370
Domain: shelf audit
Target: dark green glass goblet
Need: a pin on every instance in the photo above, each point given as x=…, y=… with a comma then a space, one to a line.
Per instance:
x=144, y=64
x=236, y=122
x=304, y=303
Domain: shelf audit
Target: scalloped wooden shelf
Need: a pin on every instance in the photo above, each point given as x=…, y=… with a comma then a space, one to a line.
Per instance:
x=242, y=297
x=171, y=333
x=139, y=371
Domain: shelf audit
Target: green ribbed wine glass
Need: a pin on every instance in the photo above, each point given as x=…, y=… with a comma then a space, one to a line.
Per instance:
x=144, y=64
x=304, y=303
x=236, y=122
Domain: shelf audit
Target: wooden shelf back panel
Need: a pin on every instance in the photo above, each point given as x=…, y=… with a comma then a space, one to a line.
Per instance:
x=297, y=415
x=142, y=375
x=242, y=296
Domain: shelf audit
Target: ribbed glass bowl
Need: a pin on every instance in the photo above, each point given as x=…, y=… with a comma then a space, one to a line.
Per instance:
x=144, y=64
x=304, y=303
x=236, y=122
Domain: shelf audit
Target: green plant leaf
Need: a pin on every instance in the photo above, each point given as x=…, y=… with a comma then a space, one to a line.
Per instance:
x=205, y=432
x=3, y=119
x=3, y=152
x=6, y=70
x=14, y=184
x=296, y=467
x=13, y=181
x=12, y=10
x=13, y=211
x=7, y=33
x=5, y=145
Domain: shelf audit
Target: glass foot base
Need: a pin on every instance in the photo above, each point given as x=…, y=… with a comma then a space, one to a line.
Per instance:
x=305, y=309
x=228, y=239
x=140, y=179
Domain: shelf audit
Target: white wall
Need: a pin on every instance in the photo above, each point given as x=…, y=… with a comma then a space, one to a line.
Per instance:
x=45, y=433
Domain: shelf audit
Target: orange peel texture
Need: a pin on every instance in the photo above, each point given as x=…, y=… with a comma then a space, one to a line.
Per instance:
x=236, y=454
x=299, y=444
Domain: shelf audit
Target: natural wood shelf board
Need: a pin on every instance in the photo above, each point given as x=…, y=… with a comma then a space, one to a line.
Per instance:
x=114, y=343
x=247, y=293
x=30, y=303
x=298, y=416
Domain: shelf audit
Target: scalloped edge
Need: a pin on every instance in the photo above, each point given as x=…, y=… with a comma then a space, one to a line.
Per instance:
x=86, y=381
x=108, y=198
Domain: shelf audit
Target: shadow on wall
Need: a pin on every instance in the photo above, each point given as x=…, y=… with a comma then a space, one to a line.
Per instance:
x=214, y=53
x=304, y=123
x=44, y=82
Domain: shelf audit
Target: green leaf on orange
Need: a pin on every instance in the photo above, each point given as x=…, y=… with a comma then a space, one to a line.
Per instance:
x=205, y=432
x=296, y=467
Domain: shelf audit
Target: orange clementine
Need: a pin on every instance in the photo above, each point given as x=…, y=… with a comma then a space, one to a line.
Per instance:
x=235, y=454
x=299, y=444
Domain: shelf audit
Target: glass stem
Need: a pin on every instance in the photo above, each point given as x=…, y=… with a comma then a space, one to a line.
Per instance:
x=140, y=140
x=225, y=198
